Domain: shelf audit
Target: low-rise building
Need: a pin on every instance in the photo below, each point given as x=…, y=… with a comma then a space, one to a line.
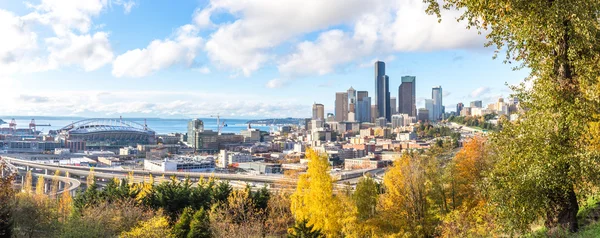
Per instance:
x=181, y=164
x=109, y=161
x=363, y=163
x=261, y=167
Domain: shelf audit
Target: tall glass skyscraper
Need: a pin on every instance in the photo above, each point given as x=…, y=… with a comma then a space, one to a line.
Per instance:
x=382, y=91
x=436, y=96
x=407, y=96
x=363, y=106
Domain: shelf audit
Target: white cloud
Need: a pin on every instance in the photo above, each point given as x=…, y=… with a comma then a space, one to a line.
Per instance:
x=330, y=49
x=159, y=54
x=480, y=92
x=127, y=5
x=277, y=83
x=89, y=51
x=64, y=15
x=203, y=70
x=202, y=17
x=72, y=43
x=404, y=27
x=378, y=27
x=17, y=38
x=245, y=44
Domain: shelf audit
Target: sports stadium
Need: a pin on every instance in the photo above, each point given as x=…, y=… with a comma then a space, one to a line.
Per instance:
x=105, y=134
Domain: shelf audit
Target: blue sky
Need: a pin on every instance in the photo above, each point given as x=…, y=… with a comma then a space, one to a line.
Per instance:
x=239, y=58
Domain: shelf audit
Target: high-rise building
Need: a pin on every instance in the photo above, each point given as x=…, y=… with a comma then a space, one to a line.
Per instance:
x=430, y=106
x=194, y=126
x=388, y=110
x=374, y=113
x=423, y=115
x=436, y=96
x=407, y=96
x=352, y=104
x=363, y=107
x=381, y=122
x=397, y=120
x=318, y=111
x=361, y=94
x=476, y=104
x=341, y=106
x=459, y=108
x=382, y=91
x=393, y=108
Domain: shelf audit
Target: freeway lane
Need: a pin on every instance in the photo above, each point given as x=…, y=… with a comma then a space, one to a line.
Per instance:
x=111, y=173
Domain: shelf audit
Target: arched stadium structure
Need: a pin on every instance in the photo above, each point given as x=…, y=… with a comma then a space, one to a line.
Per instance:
x=105, y=134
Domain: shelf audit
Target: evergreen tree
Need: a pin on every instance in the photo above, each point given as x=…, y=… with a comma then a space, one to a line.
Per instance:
x=182, y=227
x=200, y=225
x=303, y=230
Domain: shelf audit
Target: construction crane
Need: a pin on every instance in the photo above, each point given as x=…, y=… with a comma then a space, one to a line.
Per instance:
x=220, y=124
x=12, y=124
x=33, y=126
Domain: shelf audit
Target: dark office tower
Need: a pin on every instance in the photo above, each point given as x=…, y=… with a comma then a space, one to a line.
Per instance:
x=459, y=108
x=407, y=96
x=388, y=110
x=381, y=91
x=341, y=107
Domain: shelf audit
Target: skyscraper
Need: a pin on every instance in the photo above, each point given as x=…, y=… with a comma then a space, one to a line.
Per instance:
x=430, y=106
x=436, y=96
x=318, y=111
x=459, y=108
x=393, y=108
x=476, y=104
x=382, y=91
x=407, y=96
x=341, y=106
x=388, y=111
x=363, y=106
x=352, y=103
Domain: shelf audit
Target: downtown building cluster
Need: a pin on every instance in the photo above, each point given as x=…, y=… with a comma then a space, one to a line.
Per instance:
x=354, y=106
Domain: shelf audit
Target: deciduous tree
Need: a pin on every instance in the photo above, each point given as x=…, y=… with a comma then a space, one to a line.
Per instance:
x=543, y=165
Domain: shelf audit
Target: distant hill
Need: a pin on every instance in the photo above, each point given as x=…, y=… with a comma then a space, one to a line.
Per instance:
x=2, y=122
x=277, y=121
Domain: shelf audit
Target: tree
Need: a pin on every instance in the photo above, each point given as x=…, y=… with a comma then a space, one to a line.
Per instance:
x=365, y=197
x=182, y=227
x=200, y=225
x=7, y=194
x=404, y=205
x=105, y=219
x=65, y=206
x=237, y=217
x=157, y=227
x=303, y=230
x=314, y=200
x=543, y=163
x=279, y=217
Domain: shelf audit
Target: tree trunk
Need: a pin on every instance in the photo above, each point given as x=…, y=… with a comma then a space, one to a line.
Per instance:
x=563, y=211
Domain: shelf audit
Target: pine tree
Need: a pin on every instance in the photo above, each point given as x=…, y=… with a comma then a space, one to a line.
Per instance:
x=303, y=230
x=200, y=225
x=182, y=227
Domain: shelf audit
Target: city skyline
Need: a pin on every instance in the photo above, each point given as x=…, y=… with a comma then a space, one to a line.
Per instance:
x=195, y=77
